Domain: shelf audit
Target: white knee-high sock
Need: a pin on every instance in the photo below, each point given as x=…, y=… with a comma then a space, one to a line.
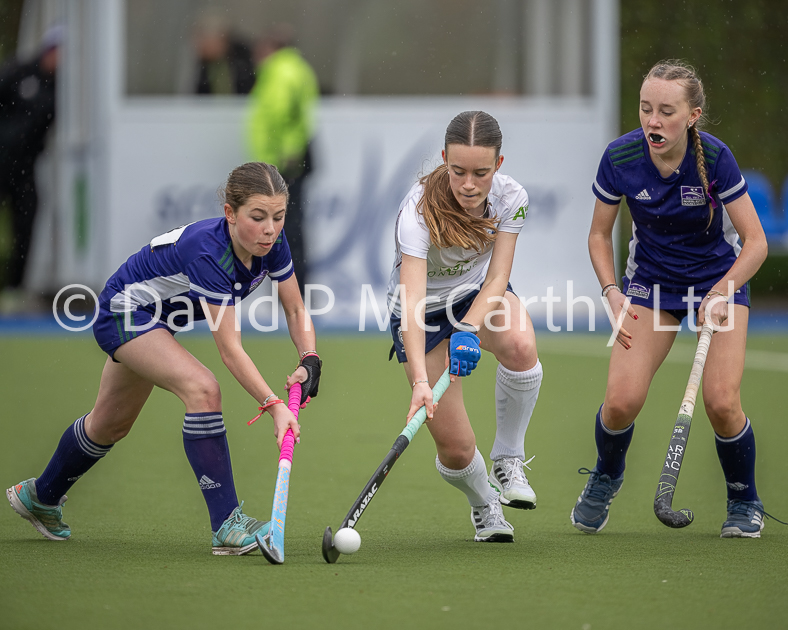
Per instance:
x=515, y=399
x=472, y=480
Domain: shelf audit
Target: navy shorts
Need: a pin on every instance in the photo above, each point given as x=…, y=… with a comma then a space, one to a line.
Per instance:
x=111, y=331
x=437, y=318
x=642, y=294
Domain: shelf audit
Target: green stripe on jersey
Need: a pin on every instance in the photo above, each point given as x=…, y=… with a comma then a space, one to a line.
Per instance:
x=625, y=148
x=710, y=148
x=226, y=262
x=227, y=256
x=710, y=153
x=119, y=325
x=628, y=159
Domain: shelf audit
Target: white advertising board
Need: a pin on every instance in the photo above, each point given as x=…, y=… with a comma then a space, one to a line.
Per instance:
x=167, y=158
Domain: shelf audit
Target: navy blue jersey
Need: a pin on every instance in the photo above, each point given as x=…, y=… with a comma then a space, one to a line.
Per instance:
x=672, y=243
x=188, y=263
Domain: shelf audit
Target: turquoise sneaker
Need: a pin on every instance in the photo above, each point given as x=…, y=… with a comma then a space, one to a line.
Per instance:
x=236, y=536
x=48, y=519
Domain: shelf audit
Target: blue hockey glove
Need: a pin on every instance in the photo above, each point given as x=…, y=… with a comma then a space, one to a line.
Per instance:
x=464, y=353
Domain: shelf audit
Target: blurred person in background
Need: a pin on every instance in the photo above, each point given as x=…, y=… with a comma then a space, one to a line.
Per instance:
x=224, y=63
x=27, y=111
x=281, y=124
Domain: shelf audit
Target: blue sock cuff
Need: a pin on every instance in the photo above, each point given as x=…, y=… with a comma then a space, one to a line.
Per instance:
x=736, y=437
x=199, y=426
x=86, y=445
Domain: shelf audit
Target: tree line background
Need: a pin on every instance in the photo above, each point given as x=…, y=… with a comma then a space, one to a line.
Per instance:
x=740, y=50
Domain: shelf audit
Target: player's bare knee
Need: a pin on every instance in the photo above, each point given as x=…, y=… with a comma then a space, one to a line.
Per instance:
x=456, y=456
x=723, y=411
x=518, y=355
x=203, y=394
x=620, y=411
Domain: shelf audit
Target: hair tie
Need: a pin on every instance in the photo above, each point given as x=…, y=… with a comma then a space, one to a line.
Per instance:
x=709, y=195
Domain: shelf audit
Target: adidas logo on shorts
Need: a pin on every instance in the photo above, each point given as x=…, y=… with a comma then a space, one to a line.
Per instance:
x=206, y=483
x=643, y=195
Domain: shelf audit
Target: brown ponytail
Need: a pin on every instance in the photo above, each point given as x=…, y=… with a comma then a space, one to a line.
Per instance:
x=449, y=224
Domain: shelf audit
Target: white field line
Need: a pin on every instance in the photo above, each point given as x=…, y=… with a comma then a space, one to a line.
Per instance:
x=680, y=353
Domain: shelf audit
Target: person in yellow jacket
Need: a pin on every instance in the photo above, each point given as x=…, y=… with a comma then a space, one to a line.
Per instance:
x=280, y=126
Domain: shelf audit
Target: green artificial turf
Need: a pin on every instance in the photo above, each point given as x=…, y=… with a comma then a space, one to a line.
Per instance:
x=139, y=556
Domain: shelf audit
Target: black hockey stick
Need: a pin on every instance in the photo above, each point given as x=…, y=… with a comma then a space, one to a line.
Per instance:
x=330, y=553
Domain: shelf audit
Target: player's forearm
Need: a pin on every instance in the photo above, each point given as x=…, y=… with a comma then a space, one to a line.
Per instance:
x=414, y=339
x=600, y=248
x=490, y=298
x=301, y=330
x=751, y=257
x=246, y=373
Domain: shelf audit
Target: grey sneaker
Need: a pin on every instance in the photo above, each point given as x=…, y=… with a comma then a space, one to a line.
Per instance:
x=507, y=476
x=490, y=524
x=745, y=520
x=236, y=536
x=591, y=511
x=47, y=519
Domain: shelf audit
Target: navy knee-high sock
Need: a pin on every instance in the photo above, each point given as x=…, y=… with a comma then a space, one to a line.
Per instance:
x=611, y=447
x=205, y=443
x=737, y=458
x=75, y=455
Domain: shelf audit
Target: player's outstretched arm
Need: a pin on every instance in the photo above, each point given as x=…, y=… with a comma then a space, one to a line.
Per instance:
x=413, y=276
x=600, y=248
x=302, y=332
x=241, y=366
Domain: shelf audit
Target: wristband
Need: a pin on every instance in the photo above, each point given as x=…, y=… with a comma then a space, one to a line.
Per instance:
x=466, y=327
x=608, y=288
x=268, y=402
x=308, y=352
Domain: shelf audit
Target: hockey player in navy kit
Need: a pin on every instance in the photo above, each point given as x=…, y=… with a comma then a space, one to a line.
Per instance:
x=194, y=272
x=696, y=243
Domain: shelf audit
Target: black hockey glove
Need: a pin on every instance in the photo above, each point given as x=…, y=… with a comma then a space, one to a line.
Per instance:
x=312, y=364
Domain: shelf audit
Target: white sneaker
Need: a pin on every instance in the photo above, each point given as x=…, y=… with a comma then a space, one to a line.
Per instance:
x=490, y=524
x=508, y=478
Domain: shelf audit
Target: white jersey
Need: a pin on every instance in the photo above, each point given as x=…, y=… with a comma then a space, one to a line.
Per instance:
x=452, y=272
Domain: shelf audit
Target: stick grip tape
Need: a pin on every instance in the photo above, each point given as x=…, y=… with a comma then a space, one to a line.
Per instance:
x=421, y=415
x=289, y=440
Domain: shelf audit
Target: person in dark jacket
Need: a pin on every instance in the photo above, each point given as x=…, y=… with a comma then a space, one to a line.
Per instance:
x=224, y=63
x=27, y=111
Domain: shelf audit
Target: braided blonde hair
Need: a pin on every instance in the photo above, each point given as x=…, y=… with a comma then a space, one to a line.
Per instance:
x=686, y=75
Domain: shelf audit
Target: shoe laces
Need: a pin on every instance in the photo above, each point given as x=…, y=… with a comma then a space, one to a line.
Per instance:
x=746, y=508
x=241, y=519
x=513, y=469
x=492, y=514
x=596, y=488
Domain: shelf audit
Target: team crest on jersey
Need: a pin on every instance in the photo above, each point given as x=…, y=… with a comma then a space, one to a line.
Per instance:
x=258, y=281
x=692, y=196
x=638, y=290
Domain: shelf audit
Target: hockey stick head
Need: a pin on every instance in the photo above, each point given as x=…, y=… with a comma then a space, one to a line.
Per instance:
x=270, y=552
x=330, y=553
x=668, y=517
